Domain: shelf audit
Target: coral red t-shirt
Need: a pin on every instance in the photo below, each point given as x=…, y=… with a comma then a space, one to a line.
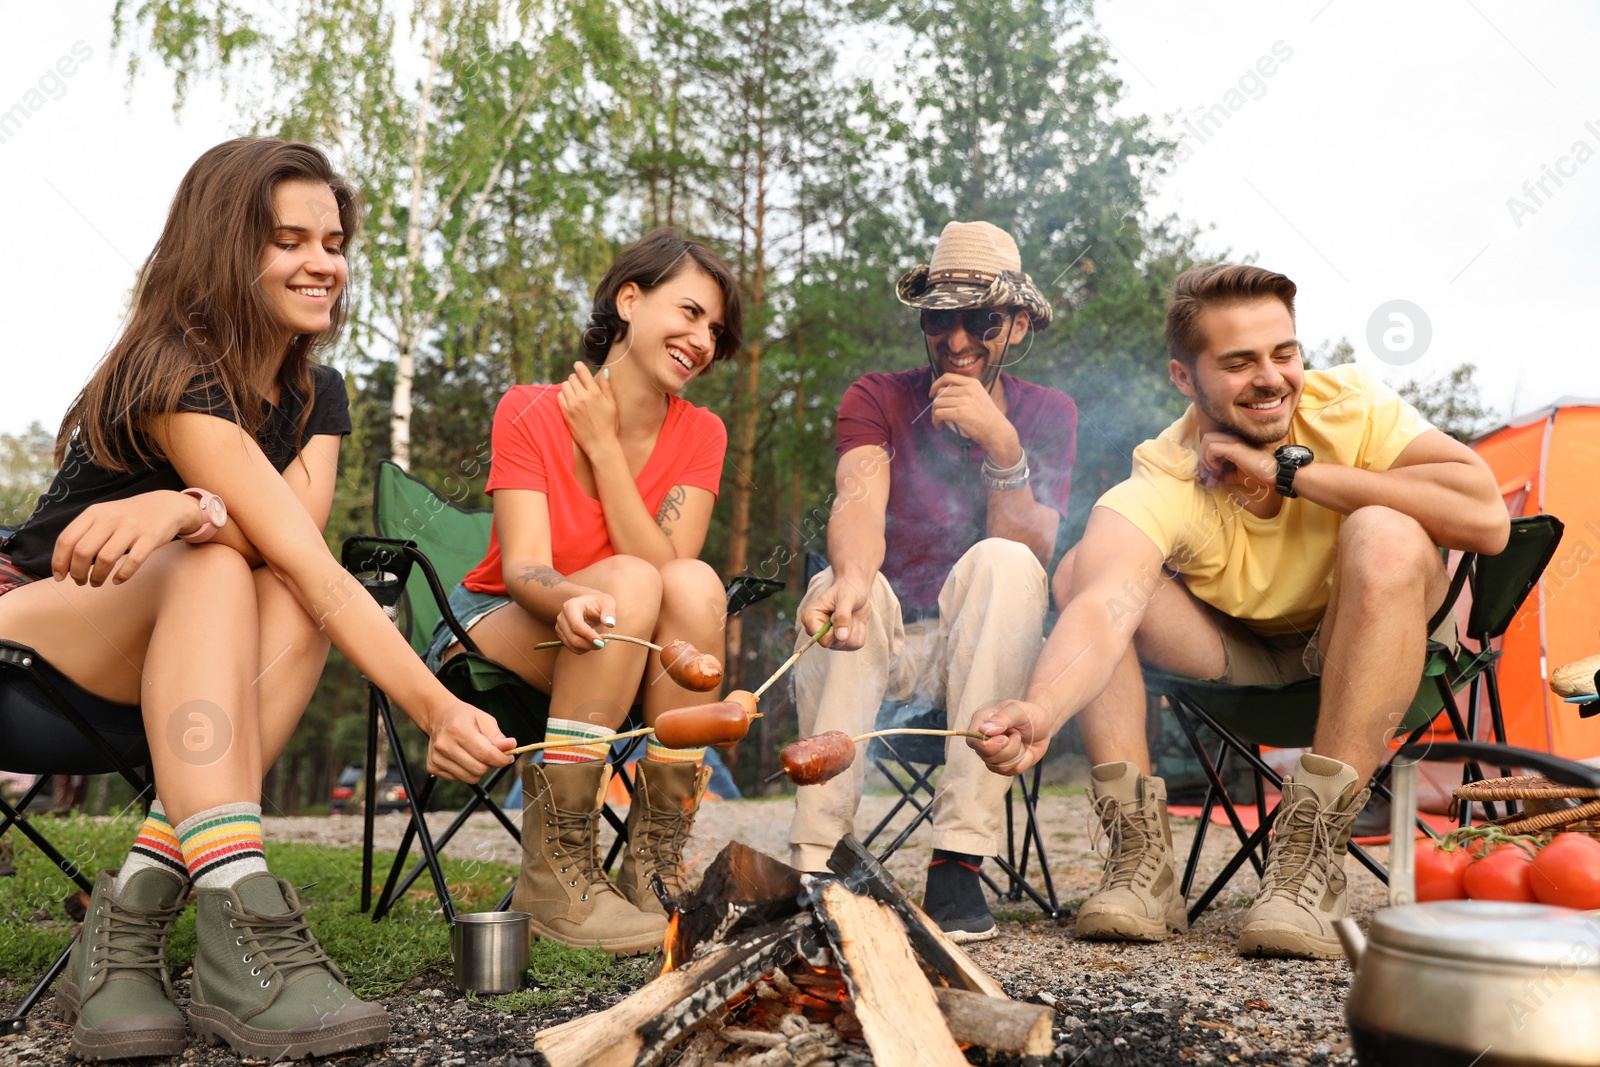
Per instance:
x=938, y=505
x=533, y=449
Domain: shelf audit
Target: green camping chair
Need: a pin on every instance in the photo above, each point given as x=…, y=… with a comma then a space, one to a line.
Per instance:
x=424, y=546
x=1244, y=718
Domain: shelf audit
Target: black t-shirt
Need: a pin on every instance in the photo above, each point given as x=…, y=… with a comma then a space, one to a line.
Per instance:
x=79, y=483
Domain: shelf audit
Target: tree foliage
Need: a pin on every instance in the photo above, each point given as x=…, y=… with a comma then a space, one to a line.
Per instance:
x=506, y=150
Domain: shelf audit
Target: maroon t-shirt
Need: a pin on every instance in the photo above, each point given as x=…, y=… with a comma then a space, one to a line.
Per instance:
x=938, y=504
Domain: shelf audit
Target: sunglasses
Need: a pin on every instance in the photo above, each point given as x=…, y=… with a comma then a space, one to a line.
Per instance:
x=986, y=323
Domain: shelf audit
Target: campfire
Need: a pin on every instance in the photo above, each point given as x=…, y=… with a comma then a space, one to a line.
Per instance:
x=767, y=967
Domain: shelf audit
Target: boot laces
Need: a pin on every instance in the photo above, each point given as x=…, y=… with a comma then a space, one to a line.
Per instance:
x=135, y=939
x=579, y=833
x=284, y=944
x=662, y=836
x=1304, y=842
x=1132, y=834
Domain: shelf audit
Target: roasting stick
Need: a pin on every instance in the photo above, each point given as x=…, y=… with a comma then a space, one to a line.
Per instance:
x=540, y=746
x=792, y=660
x=608, y=637
x=920, y=732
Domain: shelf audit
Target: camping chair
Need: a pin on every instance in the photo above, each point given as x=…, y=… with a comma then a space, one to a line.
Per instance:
x=425, y=546
x=50, y=726
x=910, y=761
x=1244, y=718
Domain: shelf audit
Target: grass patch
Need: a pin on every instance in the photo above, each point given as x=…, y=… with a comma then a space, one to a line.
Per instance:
x=377, y=958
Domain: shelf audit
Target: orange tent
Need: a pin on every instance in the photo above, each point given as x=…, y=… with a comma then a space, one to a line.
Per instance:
x=1548, y=463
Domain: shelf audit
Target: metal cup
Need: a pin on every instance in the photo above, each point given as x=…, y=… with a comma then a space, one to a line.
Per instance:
x=490, y=951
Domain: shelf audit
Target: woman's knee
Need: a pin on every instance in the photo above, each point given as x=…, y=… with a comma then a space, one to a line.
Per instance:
x=690, y=582
x=634, y=583
x=215, y=572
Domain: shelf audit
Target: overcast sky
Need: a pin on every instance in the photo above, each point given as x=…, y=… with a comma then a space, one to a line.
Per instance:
x=1441, y=154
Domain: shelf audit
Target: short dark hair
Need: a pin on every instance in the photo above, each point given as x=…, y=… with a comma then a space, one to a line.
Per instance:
x=1218, y=285
x=654, y=259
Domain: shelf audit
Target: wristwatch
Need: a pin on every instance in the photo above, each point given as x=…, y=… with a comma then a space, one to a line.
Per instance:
x=213, y=516
x=1290, y=459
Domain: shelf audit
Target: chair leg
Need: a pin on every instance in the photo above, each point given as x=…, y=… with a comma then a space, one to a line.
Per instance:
x=418, y=826
x=481, y=798
x=370, y=803
x=1212, y=775
x=1247, y=851
x=15, y=816
x=17, y=1021
x=919, y=781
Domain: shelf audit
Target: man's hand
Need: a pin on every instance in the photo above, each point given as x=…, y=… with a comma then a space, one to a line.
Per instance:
x=1018, y=736
x=963, y=403
x=845, y=604
x=578, y=625
x=1226, y=460
x=590, y=409
x=463, y=743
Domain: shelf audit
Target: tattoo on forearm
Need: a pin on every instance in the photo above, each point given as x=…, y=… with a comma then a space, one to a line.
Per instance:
x=548, y=577
x=671, y=509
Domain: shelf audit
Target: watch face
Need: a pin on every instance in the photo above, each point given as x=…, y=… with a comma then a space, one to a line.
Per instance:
x=216, y=511
x=1299, y=455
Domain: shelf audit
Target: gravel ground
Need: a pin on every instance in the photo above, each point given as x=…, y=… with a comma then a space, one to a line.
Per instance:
x=1189, y=999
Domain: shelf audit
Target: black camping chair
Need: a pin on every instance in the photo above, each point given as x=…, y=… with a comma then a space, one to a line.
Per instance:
x=1244, y=718
x=425, y=545
x=910, y=763
x=49, y=726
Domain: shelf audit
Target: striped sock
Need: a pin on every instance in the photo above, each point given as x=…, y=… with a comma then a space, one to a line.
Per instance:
x=156, y=846
x=575, y=730
x=663, y=754
x=223, y=844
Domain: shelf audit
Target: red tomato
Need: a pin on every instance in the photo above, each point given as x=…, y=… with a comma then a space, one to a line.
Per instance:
x=1501, y=875
x=1566, y=872
x=1439, y=872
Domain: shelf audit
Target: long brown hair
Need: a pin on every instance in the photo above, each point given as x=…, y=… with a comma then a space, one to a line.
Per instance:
x=198, y=312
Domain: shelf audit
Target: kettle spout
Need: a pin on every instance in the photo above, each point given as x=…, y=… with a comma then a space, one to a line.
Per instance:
x=1353, y=940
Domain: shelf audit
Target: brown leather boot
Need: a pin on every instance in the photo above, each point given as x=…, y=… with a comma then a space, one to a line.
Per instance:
x=665, y=800
x=562, y=884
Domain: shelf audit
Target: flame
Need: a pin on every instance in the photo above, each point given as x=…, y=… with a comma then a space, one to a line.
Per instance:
x=670, y=945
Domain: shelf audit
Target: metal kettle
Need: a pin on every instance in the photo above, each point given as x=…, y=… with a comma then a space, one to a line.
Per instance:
x=1464, y=982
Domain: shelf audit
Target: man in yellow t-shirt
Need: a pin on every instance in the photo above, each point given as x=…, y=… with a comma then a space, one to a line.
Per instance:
x=1286, y=527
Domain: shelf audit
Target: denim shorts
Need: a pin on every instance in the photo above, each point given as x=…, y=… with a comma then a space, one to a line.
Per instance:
x=469, y=606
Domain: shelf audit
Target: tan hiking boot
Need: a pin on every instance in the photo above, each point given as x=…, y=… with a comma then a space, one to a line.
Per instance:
x=117, y=993
x=1303, y=889
x=665, y=800
x=562, y=884
x=1138, y=898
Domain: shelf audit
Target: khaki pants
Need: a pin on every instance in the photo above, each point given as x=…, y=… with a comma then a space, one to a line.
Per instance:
x=979, y=650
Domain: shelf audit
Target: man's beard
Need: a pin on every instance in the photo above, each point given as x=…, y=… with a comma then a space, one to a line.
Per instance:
x=1223, y=415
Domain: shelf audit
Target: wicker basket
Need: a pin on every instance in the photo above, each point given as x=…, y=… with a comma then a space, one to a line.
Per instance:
x=1544, y=797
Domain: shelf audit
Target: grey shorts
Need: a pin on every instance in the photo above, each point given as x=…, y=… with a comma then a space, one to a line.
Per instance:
x=469, y=607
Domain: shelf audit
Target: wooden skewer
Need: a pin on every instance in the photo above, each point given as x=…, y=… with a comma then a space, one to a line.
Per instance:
x=921, y=732
x=608, y=637
x=540, y=746
x=790, y=662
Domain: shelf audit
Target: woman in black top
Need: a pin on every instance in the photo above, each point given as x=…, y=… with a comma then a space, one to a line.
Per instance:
x=211, y=617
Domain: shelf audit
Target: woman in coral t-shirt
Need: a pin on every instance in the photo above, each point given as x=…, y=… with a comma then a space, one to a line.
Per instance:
x=603, y=488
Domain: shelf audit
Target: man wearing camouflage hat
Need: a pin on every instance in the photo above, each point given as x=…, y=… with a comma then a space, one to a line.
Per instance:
x=951, y=484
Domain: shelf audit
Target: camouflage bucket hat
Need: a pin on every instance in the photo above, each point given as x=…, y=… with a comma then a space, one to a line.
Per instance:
x=975, y=265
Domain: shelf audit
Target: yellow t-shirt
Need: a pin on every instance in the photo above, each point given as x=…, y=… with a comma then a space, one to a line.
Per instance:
x=1273, y=575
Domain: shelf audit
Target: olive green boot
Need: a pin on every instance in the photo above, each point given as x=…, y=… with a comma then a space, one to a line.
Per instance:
x=1138, y=898
x=666, y=799
x=264, y=985
x=116, y=992
x=563, y=884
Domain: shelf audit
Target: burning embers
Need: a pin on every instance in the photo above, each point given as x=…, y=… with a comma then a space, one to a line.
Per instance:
x=769, y=968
